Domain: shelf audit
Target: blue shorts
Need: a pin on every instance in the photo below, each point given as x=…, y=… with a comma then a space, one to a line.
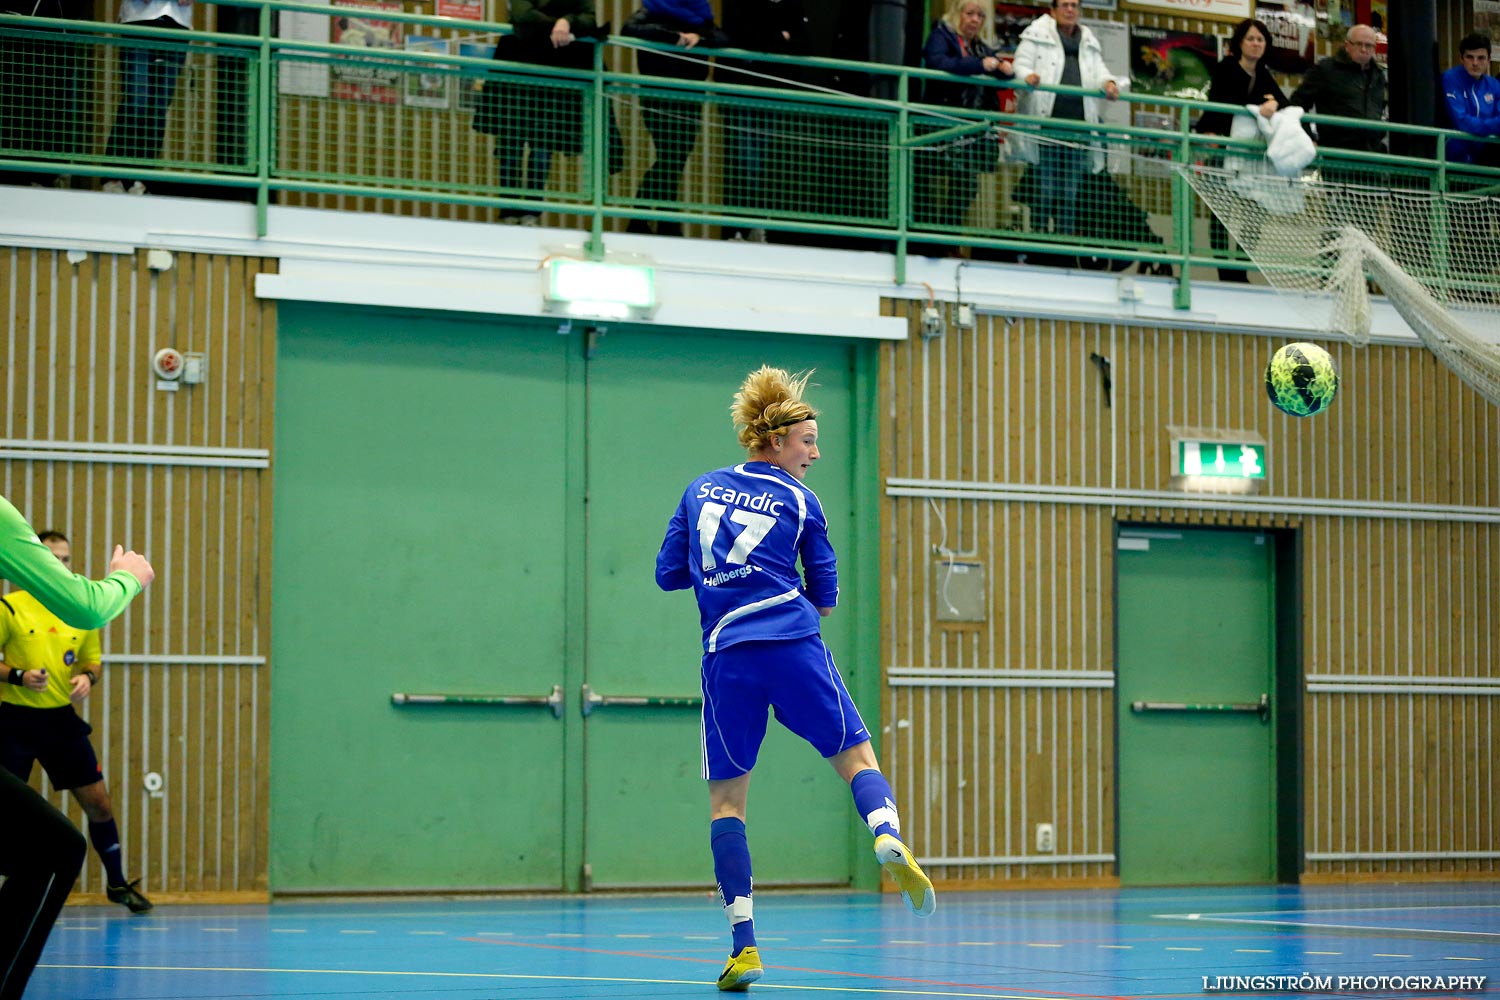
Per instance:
x=796, y=678
x=55, y=736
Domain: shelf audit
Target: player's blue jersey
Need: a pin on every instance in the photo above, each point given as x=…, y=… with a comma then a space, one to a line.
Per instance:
x=735, y=539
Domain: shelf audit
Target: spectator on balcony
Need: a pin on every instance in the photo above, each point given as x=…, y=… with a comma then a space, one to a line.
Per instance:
x=673, y=117
x=1350, y=84
x=1240, y=78
x=40, y=112
x=1472, y=99
x=947, y=176
x=532, y=118
x=751, y=134
x=1055, y=49
x=148, y=81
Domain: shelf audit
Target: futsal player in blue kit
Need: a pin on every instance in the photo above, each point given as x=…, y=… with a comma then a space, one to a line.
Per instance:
x=735, y=540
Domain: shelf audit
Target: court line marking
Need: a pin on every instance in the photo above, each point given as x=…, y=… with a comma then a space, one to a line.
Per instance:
x=537, y=978
x=660, y=957
x=1207, y=919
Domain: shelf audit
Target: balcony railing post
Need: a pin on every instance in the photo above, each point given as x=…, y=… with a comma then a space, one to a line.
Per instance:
x=264, y=119
x=1440, y=221
x=900, y=171
x=599, y=159
x=1182, y=209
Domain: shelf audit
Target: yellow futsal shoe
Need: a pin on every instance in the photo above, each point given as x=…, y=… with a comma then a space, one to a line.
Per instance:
x=742, y=970
x=916, y=887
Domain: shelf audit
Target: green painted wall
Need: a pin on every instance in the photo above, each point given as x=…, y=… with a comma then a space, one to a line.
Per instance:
x=472, y=505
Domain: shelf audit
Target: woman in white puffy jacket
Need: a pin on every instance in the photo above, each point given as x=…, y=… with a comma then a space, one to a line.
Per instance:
x=1042, y=58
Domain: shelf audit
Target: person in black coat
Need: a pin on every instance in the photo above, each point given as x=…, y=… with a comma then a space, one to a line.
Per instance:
x=1240, y=78
x=672, y=117
x=947, y=176
x=544, y=115
x=776, y=26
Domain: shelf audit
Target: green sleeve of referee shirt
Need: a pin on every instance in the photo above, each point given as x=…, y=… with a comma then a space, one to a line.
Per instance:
x=77, y=600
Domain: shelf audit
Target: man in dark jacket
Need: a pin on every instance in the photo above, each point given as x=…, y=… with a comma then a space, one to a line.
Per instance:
x=1350, y=85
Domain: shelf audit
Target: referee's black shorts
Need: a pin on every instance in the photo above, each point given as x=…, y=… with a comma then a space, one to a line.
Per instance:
x=55, y=736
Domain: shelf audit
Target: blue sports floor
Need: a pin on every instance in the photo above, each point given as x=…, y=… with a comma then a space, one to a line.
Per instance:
x=1014, y=945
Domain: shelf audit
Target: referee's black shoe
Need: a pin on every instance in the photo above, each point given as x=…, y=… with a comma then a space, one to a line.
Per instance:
x=128, y=896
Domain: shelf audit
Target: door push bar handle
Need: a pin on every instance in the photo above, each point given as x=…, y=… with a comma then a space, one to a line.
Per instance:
x=593, y=700
x=553, y=701
x=1261, y=708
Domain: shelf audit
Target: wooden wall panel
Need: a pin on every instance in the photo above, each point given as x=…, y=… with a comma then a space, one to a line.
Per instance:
x=994, y=726
x=184, y=692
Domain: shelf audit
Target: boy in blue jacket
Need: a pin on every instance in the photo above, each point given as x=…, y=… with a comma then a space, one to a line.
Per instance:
x=1473, y=101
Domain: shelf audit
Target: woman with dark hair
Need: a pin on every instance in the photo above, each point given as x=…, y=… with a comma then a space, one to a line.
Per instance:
x=1241, y=78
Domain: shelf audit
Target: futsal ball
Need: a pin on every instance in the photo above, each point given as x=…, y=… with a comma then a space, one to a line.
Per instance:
x=1301, y=380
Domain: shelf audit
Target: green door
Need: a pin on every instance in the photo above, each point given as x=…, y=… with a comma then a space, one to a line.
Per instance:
x=419, y=522
x=1195, y=629
x=658, y=416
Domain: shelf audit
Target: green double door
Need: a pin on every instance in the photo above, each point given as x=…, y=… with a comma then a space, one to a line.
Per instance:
x=474, y=508
x=1196, y=655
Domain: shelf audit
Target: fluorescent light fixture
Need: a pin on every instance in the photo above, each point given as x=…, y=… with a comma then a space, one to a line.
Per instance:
x=593, y=289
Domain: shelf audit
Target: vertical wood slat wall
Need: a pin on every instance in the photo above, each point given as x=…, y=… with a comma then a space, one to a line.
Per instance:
x=190, y=701
x=1019, y=402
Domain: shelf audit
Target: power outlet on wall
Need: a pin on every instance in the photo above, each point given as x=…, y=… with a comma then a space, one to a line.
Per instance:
x=1046, y=842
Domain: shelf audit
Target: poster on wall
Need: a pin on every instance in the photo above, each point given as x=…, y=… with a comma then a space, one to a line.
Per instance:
x=1114, y=41
x=466, y=10
x=1293, y=24
x=1487, y=22
x=359, y=79
x=422, y=85
x=307, y=79
x=1010, y=20
x=1373, y=13
x=469, y=85
x=1171, y=63
x=1335, y=21
x=1227, y=10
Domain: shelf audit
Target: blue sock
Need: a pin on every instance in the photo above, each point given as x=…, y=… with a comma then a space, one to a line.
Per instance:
x=732, y=870
x=106, y=839
x=876, y=804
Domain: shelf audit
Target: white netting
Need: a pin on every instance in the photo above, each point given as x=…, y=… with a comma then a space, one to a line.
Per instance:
x=1431, y=254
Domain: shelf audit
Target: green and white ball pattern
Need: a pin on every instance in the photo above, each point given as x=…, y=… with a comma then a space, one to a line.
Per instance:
x=1301, y=380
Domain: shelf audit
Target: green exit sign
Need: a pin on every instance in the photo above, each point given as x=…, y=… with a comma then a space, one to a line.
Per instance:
x=1222, y=459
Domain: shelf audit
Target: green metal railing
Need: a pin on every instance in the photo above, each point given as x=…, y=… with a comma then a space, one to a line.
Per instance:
x=346, y=125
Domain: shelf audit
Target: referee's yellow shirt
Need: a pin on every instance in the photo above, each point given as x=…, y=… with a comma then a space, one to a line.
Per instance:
x=33, y=638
